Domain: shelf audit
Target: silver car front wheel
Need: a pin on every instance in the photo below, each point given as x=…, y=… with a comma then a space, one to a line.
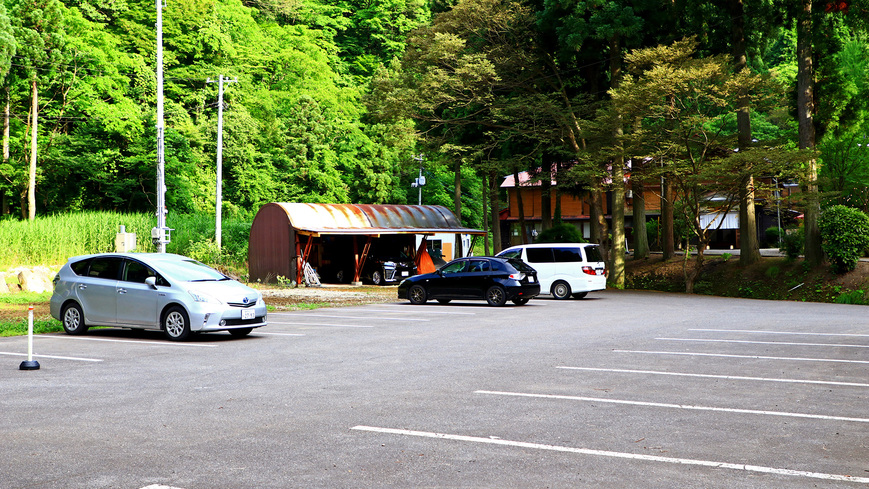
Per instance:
x=176, y=324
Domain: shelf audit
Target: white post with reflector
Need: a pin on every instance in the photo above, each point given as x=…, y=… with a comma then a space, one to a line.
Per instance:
x=30, y=363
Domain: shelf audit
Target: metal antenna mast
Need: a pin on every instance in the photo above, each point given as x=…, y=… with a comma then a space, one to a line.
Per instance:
x=160, y=234
x=219, y=196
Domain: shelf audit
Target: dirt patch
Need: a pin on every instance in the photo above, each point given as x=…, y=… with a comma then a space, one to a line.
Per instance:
x=773, y=278
x=283, y=299
x=277, y=298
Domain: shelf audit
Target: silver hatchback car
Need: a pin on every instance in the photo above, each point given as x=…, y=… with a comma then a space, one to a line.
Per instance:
x=172, y=293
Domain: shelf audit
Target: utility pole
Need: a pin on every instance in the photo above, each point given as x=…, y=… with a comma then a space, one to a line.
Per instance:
x=160, y=234
x=219, y=196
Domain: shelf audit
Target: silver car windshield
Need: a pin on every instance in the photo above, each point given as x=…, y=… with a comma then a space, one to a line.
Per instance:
x=193, y=271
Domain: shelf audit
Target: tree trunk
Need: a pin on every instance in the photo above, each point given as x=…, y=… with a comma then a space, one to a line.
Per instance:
x=457, y=203
x=31, y=186
x=617, y=266
x=523, y=232
x=805, y=117
x=641, y=238
x=546, y=193
x=668, y=231
x=486, y=214
x=494, y=208
x=4, y=205
x=749, y=249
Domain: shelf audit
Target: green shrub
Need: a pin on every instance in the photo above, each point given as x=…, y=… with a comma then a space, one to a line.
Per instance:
x=561, y=233
x=844, y=236
x=793, y=243
x=773, y=235
x=851, y=297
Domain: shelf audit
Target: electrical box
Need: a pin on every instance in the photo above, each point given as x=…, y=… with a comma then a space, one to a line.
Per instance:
x=125, y=242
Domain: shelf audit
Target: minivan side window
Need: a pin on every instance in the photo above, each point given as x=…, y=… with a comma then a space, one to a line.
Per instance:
x=107, y=267
x=80, y=267
x=539, y=255
x=511, y=254
x=565, y=255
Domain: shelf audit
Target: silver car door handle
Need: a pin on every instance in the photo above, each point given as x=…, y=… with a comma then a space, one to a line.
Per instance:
x=122, y=291
x=82, y=286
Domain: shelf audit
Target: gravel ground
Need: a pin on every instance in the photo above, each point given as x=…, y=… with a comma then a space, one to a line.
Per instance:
x=328, y=295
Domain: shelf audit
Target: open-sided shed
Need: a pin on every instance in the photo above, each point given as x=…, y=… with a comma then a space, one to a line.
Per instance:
x=285, y=236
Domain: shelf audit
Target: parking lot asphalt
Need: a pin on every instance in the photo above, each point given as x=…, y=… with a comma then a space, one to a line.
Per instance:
x=624, y=389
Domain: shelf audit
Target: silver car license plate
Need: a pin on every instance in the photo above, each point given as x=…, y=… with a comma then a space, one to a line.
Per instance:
x=247, y=313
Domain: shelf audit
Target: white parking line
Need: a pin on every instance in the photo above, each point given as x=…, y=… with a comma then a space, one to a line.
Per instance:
x=280, y=334
x=138, y=342
x=676, y=406
x=53, y=356
x=345, y=317
x=621, y=455
x=321, y=324
x=426, y=311
x=750, y=342
x=724, y=377
x=757, y=331
x=753, y=357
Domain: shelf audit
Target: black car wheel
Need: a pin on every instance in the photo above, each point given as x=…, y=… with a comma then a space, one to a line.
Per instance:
x=417, y=294
x=580, y=295
x=339, y=276
x=496, y=296
x=238, y=333
x=521, y=301
x=377, y=277
x=73, y=319
x=176, y=324
x=561, y=290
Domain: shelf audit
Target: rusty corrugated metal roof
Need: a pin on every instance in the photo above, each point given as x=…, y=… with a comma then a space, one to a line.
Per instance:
x=372, y=219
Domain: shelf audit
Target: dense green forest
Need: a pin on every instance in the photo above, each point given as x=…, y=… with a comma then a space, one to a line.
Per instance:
x=346, y=100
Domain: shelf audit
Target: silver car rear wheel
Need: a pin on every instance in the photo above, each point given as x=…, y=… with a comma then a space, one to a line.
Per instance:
x=73, y=319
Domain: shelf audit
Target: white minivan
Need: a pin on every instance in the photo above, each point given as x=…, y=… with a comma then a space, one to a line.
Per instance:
x=563, y=269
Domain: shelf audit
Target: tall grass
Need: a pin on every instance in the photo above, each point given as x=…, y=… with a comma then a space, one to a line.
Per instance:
x=51, y=240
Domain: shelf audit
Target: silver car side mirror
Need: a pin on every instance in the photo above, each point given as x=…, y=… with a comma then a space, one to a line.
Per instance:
x=152, y=282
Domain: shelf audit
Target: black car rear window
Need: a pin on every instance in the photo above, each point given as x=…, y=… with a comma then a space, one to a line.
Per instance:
x=520, y=265
x=539, y=255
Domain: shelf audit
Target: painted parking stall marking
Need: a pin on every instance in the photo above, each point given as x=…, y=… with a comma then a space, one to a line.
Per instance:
x=753, y=357
x=337, y=325
x=760, y=331
x=674, y=406
x=752, y=342
x=710, y=376
x=612, y=454
x=55, y=357
x=336, y=316
x=137, y=342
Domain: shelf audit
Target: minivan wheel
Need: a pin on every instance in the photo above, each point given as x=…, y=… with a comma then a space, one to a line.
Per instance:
x=580, y=295
x=561, y=290
x=496, y=296
x=73, y=319
x=176, y=324
x=417, y=295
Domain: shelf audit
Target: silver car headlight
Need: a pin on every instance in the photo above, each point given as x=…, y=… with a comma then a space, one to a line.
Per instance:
x=202, y=297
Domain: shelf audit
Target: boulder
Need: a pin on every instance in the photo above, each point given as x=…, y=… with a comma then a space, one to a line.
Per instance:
x=31, y=282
